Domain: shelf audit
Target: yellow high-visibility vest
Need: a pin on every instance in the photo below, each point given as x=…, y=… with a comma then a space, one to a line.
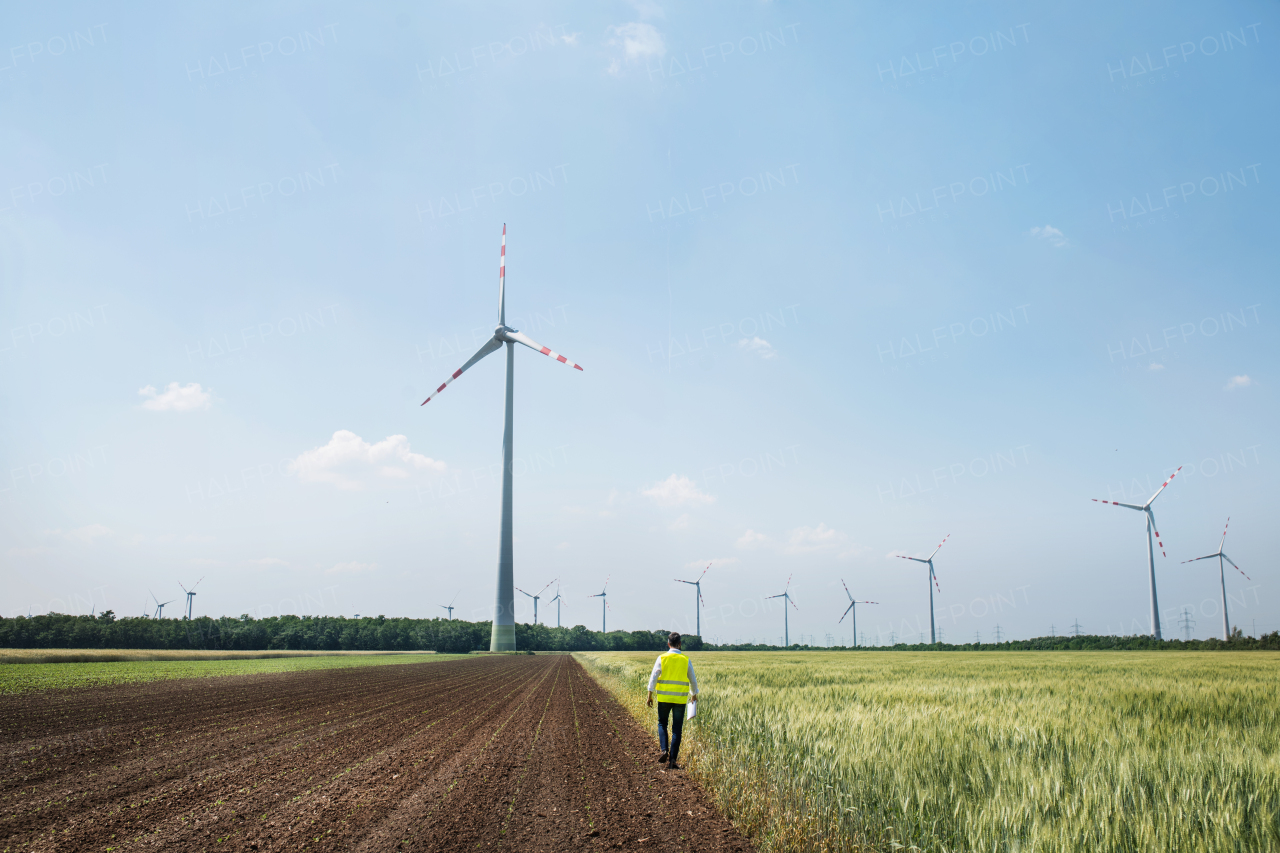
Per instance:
x=673, y=681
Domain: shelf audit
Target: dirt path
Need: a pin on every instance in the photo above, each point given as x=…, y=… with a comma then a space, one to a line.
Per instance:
x=494, y=753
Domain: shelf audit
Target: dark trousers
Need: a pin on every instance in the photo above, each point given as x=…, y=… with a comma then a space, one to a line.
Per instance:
x=676, y=712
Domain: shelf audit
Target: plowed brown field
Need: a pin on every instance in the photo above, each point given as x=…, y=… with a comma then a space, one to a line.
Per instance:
x=503, y=752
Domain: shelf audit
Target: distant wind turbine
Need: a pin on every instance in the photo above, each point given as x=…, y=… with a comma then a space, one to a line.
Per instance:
x=853, y=608
x=160, y=605
x=559, y=598
x=698, y=602
x=503, y=637
x=933, y=581
x=536, y=597
x=786, y=595
x=604, y=604
x=448, y=606
x=1226, y=623
x=191, y=594
x=1151, y=554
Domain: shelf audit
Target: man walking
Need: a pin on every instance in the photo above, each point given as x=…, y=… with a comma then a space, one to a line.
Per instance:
x=675, y=685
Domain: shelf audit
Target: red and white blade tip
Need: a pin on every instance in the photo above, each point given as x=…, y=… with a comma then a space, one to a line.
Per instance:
x=559, y=358
x=1171, y=476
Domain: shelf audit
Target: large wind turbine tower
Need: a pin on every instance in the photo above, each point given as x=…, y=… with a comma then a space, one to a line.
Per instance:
x=503, y=638
x=933, y=581
x=1151, y=554
x=1222, y=580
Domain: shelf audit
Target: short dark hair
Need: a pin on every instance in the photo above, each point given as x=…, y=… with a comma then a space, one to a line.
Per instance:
x=674, y=639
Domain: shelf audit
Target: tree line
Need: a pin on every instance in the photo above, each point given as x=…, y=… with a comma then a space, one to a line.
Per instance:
x=308, y=633
x=454, y=636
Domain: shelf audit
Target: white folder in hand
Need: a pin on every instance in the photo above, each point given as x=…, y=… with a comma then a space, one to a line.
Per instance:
x=693, y=710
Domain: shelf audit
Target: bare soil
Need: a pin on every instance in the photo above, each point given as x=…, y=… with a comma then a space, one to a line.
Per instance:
x=512, y=752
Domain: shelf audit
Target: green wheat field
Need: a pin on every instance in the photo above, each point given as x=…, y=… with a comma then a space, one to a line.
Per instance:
x=96, y=668
x=990, y=751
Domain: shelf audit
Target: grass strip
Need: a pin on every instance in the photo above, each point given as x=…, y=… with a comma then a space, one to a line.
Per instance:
x=24, y=677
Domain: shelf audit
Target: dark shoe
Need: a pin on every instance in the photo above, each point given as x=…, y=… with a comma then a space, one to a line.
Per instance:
x=671, y=765
x=662, y=759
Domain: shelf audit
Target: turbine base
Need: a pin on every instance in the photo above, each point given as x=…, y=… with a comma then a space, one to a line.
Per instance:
x=503, y=638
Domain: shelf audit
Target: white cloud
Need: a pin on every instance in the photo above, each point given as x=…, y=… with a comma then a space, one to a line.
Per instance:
x=677, y=491
x=1238, y=382
x=807, y=540
x=715, y=563
x=352, y=568
x=638, y=41
x=268, y=561
x=176, y=398
x=1155, y=365
x=758, y=345
x=751, y=539
x=92, y=533
x=681, y=523
x=348, y=461
x=1053, y=235
x=648, y=9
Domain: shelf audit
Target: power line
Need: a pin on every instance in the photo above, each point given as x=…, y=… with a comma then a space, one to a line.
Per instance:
x=999, y=636
x=1076, y=629
x=977, y=638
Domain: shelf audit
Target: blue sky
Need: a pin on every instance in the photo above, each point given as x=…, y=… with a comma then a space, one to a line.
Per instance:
x=844, y=279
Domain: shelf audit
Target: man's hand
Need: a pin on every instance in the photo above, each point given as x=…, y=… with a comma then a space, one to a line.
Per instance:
x=650, y=702
x=693, y=698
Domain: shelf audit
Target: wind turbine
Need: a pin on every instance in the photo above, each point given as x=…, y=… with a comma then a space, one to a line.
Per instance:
x=604, y=603
x=160, y=604
x=449, y=606
x=536, y=597
x=933, y=577
x=1151, y=554
x=786, y=594
x=853, y=608
x=191, y=594
x=557, y=600
x=503, y=638
x=1226, y=625
x=698, y=603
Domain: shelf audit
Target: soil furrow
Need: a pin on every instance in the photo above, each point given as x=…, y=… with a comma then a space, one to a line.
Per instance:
x=512, y=752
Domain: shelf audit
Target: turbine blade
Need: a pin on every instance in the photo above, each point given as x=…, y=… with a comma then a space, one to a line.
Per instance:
x=502, y=279
x=520, y=338
x=940, y=544
x=492, y=345
x=846, y=612
x=917, y=559
x=846, y=589
x=1224, y=534
x=1205, y=557
x=1163, y=486
x=1238, y=569
x=934, y=575
x=1114, y=503
x=1156, y=528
